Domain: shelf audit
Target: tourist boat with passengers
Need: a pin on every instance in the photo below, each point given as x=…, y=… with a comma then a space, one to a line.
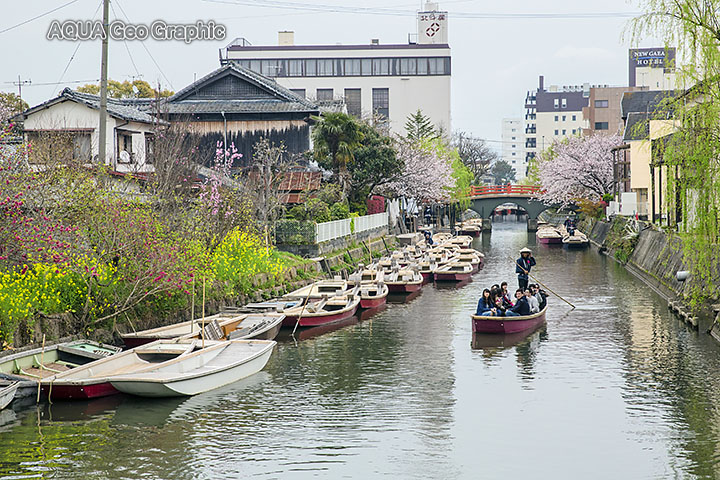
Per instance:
x=30, y=366
x=482, y=324
x=456, y=271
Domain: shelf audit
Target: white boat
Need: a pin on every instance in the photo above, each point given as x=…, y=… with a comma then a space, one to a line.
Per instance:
x=199, y=371
x=320, y=289
x=7, y=393
x=176, y=330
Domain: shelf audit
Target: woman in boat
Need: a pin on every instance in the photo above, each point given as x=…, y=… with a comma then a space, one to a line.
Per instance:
x=486, y=305
x=521, y=307
x=523, y=266
x=540, y=295
x=505, y=295
x=428, y=237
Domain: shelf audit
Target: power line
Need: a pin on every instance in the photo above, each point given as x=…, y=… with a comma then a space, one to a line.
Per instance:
x=146, y=49
x=39, y=16
x=44, y=84
x=127, y=48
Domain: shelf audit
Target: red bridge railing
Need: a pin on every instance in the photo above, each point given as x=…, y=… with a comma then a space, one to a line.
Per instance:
x=525, y=190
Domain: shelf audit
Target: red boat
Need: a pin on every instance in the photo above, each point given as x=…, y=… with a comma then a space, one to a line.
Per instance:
x=373, y=296
x=507, y=324
x=404, y=281
x=454, y=272
x=322, y=311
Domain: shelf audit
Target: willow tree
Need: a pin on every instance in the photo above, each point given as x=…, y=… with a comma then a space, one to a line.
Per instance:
x=689, y=158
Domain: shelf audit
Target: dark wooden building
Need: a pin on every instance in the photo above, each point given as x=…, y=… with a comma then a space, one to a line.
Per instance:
x=243, y=106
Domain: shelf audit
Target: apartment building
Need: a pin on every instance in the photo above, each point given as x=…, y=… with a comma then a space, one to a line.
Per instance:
x=392, y=80
x=513, y=145
x=603, y=112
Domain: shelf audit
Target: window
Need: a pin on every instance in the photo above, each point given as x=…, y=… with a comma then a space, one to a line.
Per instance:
x=513, y=138
x=556, y=132
x=408, y=66
x=324, y=94
x=564, y=103
x=601, y=125
x=557, y=118
x=381, y=66
x=324, y=68
x=422, y=66
x=513, y=160
x=149, y=148
x=366, y=66
x=295, y=68
x=352, y=67
x=601, y=104
x=564, y=132
x=574, y=118
x=124, y=145
x=381, y=101
x=513, y=154
x=573, y=131
x=437, y=66
x=514, y=130
x=556, y=102
x=353, y=101
x=514, y=146
x=564, y=118
x=298, y=91
x=310, y=68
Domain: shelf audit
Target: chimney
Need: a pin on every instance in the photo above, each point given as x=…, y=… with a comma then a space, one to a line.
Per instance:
x=286, y=38
x=542, y=84
x=375, y=41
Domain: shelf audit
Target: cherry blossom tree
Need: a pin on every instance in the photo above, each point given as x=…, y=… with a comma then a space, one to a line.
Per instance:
x=577, y=168
x=427, y=174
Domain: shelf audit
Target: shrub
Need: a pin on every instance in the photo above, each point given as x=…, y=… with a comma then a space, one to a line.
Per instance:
x=339, y=210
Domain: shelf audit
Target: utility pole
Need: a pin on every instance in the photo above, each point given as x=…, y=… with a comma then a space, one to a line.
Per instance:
x=102, y=132
x=20, y=83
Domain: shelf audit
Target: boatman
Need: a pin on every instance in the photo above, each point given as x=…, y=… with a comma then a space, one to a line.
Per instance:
x=523, y=266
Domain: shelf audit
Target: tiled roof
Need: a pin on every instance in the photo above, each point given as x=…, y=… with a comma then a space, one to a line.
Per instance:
x=652, y=102
x=300, y=181
x=117, y=108
x=637, y=126
x=284, y=100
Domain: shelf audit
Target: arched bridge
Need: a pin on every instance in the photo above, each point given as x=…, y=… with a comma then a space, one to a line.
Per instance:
x=484, y=200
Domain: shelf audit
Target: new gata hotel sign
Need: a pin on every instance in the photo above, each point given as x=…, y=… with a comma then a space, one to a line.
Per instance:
x=650, y=58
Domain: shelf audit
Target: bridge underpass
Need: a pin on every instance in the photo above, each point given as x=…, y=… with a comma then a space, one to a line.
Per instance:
x=484, y=200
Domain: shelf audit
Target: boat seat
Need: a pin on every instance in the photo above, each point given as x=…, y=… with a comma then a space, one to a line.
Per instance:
x=213, y=331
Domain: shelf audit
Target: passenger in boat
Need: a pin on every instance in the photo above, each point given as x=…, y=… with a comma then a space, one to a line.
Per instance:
x=428, y=238
x=532, y=301
x=540, y=294
x=505, y=295
x=523, y=266
x=486, y=306
x=521, y=305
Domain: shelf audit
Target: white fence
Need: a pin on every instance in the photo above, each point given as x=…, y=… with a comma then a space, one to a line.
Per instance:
x=342, y=228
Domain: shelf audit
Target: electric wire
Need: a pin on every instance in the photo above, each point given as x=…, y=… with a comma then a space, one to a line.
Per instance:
x=127, y=48
x=38, y=16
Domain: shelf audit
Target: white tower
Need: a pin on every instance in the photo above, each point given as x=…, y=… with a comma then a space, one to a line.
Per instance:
x=432, y=25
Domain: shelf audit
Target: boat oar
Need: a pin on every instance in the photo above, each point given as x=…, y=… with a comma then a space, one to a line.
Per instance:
x=302, y=310
x=538, y=281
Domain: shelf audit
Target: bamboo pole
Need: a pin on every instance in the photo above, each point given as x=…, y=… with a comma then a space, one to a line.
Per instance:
x=192, y=307
x=203, y=314
x=42, y=359
x=302, y=310
x=538, y=281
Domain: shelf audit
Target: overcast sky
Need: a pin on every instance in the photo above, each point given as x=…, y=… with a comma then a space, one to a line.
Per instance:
x=495, y=61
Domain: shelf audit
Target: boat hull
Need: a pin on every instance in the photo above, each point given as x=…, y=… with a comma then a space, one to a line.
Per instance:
x=452, y=277
x=196, y=385
x=79, y=391
x=507, y=324
x=314, y=320
x=375, y=302
x=470, y=233
x=549, y=241
x=404, y=287
x=7, y=394
x=575, y=246
x=427, y=276
x=132, y=342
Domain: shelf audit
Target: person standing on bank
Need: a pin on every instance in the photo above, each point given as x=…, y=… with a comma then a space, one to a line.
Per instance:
x=523, y=266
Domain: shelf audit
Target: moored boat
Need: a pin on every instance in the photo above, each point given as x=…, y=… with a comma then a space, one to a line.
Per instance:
x=260, y=326
x=577, y=240
x=189, y=328
x=7, y=393
x=462, y=241
x=32, y=365
x=322, y=311
x=483, y=324
x=404, y=281
x=197, y=372
x=454, y=272
x=92, y=380
x=548, y=235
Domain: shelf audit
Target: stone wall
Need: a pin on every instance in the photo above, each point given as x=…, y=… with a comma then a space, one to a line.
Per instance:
x=316, y=250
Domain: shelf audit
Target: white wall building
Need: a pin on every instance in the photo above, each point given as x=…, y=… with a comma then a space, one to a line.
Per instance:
x=394, y=80
x=513, y=145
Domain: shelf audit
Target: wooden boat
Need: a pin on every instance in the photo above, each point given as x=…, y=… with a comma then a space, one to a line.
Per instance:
x=200, y=371
x=7, y=393
x=549, y=235
x=336, y=286
x=277, y=305
x=472, y=258
x=92, y=380
x=168, y=332
x=462, y=241
x=441, y=237
x=404, y=281
x=373, y=295
x=31, y=365
x=427, y=268
x=260, y=326
x=320, y=311
x=454, y=272
x=482, y=324
x=470, y=228
x=578, y=240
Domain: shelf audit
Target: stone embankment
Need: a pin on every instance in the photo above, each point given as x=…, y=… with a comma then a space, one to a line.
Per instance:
x=655, y=257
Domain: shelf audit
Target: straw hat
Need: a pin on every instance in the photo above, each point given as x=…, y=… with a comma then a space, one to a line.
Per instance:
x=525, y=250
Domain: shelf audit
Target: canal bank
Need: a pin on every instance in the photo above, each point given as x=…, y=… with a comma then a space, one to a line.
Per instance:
x=656, y=257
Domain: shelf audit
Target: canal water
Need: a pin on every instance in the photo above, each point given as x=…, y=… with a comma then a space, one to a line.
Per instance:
x=616, y=388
